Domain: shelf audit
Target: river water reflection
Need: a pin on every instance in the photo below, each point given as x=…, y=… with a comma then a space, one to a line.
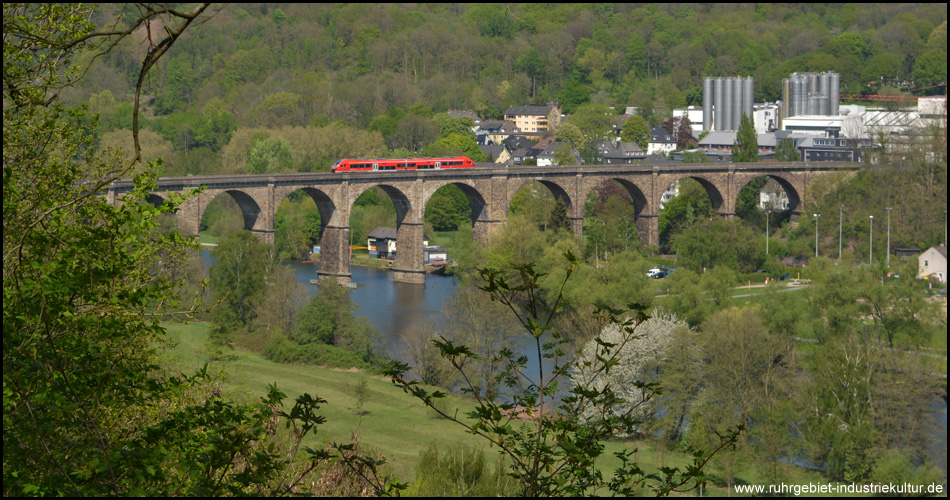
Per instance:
x=391, y=307
x=394, y=307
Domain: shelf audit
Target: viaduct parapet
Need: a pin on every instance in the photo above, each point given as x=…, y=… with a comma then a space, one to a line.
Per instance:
x=489, y=189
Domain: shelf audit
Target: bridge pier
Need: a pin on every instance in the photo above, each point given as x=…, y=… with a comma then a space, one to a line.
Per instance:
x=648, y=227
x=577, y=225
x=335, y=255
x=265, y=235
x=409, y=267
x=483, y=230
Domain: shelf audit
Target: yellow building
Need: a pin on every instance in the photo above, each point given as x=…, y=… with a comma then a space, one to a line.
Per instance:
x=530, y=119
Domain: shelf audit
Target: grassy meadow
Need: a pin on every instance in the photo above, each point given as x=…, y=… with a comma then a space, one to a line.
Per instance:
x=390, y=423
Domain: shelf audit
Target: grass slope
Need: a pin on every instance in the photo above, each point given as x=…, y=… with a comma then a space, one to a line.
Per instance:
x=392, y=424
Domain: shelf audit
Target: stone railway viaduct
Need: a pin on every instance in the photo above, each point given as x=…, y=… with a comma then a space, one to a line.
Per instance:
x=489, y=188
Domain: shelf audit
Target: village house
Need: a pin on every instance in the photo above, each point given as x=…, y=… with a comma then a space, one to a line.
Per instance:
x=618, y=153
x=496, y=131
x=547, y=158
x=524, y=151
x=496, y=153
x=772, y=197
x=933, y=264
x=534, y=120
x=382, y=243
x=660, y=141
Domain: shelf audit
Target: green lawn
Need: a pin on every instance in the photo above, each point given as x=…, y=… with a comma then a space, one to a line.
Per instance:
x=206, y=238
x=362, y=258
x=393, y=425
x=441, y=238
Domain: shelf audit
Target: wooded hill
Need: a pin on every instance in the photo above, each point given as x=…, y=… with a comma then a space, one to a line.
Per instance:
x=365, y=66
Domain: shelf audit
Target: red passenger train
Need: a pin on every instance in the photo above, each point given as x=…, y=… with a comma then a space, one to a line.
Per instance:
x=346, y=165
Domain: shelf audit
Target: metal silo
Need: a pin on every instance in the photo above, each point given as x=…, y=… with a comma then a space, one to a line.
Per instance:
x=707, y=103
x=795, y=106
x=736, y=102
x=786, y=95
x=726, y=104
x=835, y=93
x=812, y=103
x=717, y=86
x=824, y=104
x=807, y=89
x=748, y=92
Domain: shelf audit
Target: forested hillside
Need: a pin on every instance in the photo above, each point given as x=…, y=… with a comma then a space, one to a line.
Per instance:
x=380, y=72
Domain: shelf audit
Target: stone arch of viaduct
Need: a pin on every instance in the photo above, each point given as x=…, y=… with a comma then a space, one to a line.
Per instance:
x=489, y=190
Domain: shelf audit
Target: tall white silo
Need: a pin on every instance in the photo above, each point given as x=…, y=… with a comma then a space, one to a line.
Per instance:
x=748, y=91
x=707, y=103
x=718, y=114
x=835, y=94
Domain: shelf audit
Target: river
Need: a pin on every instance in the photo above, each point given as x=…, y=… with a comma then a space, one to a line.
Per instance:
x=390, y=306
x=393, y=307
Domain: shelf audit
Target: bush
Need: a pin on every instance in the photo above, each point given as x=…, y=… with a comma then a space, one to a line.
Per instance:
x=460, y=471
x=282, y=350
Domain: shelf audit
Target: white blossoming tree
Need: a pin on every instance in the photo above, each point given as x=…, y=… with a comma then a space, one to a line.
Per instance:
x=637, y=362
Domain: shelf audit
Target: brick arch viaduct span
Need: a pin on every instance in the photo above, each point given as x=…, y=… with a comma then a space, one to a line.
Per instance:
x=489, y=189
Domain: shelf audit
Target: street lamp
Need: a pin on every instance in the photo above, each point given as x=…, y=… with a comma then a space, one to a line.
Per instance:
x=816, y=234
x=888, y=236
x=840, y=215
x=767, y=212
x=871, y=247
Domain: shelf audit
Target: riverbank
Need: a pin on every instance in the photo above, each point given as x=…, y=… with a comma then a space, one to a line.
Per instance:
x=374, y=263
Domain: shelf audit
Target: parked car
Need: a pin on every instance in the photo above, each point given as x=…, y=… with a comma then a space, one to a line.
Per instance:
x=664, y=270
